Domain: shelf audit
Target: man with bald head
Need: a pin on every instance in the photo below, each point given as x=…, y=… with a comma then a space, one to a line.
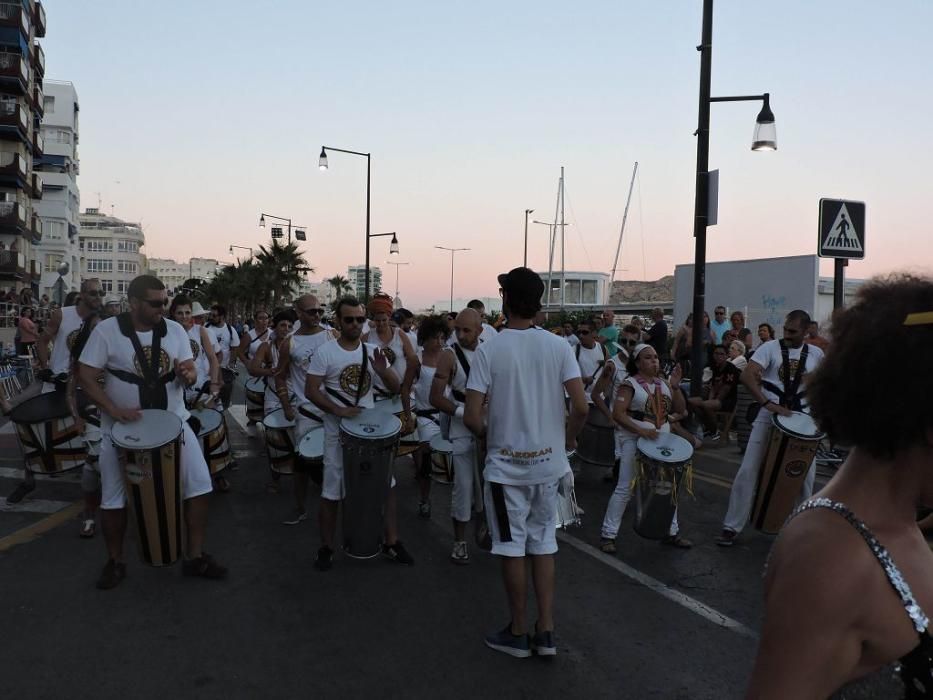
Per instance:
x=448, y=394
x=290, y=378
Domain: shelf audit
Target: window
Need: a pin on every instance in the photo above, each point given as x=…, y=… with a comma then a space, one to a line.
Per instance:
x=572, y=291
x=127, y=267
x=48, y=104
x=97, y=265
x=123, y=286
x=128, y=246
x=52, y=262
x=54, y=230
x=56, y=135
x=589, y=291
x=97, y=245
x=106, y=286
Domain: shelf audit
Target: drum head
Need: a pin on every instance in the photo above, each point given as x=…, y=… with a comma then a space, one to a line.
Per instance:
x=41, y=408
x=798, y=424
x=439, y=444
x=154, y=429
x=393, y=405
x=255, y=384
x=668, y=448
x=277, y=419
x=312, y=444
x=372, y=424
x=209, y=418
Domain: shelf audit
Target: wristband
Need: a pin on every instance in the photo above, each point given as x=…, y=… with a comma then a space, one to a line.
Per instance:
x=459, y=412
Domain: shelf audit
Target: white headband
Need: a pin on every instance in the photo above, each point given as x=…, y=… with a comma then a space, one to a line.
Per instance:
x=638, y=348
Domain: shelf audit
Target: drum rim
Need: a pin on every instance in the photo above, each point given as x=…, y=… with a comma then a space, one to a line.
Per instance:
x=63, y=411
x=646, y=441
x=150, y=411
x=819, y=435
x=344, y=428
x=276, y=427
x=440, y=438
x=304, y=439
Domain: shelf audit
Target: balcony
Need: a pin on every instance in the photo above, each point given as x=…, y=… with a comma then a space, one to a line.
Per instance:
x=39, y=19
x=12, y=218
x=13, y=15
x=38, y=101
x=12, y=170
x=12, y=265
x=14, y=74
x=14, y=122
x=36, y=186
x=38, y=59
x=36, y=229
x=38, y=144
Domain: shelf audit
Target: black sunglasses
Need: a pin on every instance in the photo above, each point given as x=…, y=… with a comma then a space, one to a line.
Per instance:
x=96, y=293
x=157, y=303
x=354, y=319
x=628, y=343
x=312, y=311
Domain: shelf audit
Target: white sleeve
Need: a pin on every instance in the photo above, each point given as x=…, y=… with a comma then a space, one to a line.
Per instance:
x=317, y=365
x=479, y=372
x=95, y=350
x=180, y=337
x=235, y=338
x=570, y=368
x=763, y=354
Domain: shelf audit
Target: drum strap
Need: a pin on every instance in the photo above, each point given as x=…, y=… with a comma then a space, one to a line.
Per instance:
x=308, y=413
x=83, y=334
x=152, y=392
x=789, y=396
x=359, y=387
x=428, y=413
x=461, y=358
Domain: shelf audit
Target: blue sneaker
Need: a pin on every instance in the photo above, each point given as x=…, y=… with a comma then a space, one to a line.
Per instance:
x=512, y=644
x=543, y=644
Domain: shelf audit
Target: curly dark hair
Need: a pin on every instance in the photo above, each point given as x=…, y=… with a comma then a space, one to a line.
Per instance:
x=431, y=327
x=848, y=397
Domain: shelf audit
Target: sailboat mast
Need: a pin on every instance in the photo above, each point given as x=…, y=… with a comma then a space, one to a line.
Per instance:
x=563, y=228
x=622, y=230
x=552, y=229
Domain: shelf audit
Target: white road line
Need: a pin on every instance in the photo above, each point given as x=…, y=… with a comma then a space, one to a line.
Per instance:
x=691, y=604
x=28, y=505
x=238, y=413
x=12, y=473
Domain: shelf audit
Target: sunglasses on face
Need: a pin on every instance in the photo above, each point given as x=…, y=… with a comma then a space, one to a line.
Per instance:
x=96, y=293
x=311, y=311
x=628, y=343
x=354, y=319
x=720, y=313
x=157, y=303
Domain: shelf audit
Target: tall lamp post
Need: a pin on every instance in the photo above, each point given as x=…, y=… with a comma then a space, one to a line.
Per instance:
x=299, y=230
x=63, y=269
x=452, y=251
x=764, y=139
x=397, y=265
x=525, y=259
x=242, y=247
x=393, y=247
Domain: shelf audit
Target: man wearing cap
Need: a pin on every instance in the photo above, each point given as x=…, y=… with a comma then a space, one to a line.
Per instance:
x=524, y=375
x=112, y=306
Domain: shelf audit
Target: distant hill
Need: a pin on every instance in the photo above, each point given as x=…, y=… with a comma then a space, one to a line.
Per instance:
x=633, y=290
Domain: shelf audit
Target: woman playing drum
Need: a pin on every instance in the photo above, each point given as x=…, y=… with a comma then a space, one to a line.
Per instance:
x=642, y=408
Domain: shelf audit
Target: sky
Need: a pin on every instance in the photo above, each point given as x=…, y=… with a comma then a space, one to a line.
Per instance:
x=197, y=116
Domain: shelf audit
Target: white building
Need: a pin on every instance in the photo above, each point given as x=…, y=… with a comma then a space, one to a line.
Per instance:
x=492, y=305
x=323, y=291
x=175, y=274
x=581, y=289
x=111, y=249
x=357, y=276
x=59, y=208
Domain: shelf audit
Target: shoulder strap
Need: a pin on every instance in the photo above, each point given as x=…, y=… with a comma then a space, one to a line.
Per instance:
x=576, y=350
x=359, y=384
x=461, y=358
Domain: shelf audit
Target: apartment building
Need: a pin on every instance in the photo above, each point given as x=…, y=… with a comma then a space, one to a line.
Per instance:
x=111, y=250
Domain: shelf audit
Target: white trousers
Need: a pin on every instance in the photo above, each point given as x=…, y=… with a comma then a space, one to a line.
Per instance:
x=746, y=479
x=465, y=476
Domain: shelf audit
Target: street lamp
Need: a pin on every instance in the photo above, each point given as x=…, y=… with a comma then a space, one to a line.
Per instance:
x=764, y=139
x=277, y=233
x=397, y=265
x=393, y=246
x=452, y=251
x=242, y=247
x=525, y=260
x=63, y=269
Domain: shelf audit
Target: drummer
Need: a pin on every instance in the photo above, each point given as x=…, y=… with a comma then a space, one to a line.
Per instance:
x=591, y=356
x=642, y=409
x=394, y=343
x=133, y=383
x=776, y=377
x=432, y=338
x=453, y=369
x=339, y=385
x=291, y=373
x=251, y=340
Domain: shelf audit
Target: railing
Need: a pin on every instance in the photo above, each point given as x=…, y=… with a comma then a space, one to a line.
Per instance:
x=40, y=57
x=36, y=186
x=40, y=19
x=38, y=142
x=38, y=99
x=14, y=11
x=11, y=210
x=9, y=61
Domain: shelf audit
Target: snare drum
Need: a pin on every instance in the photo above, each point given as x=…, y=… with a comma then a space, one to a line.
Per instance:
x=568, y=513
x=661, y=465
x=597, y=442
x=150, y=450
x=255, y=399
x=48, y=435
x=792, y=447
x=311, y=453
x=442, y=460
x=408, y=441
x=280, y=446
x=213, y=438
x=368, y=442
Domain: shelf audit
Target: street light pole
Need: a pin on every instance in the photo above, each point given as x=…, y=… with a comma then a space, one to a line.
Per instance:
x=525, y=259
x=397, y=265
x=242, y=247
x=764, y=140
x=452, y=251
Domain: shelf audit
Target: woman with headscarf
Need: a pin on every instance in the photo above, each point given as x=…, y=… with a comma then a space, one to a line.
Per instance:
x=393, y=342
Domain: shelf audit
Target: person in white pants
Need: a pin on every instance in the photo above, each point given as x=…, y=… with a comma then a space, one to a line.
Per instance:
x=776, y=378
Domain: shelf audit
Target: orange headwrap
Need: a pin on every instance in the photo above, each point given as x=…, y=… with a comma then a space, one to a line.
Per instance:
x=380, y=304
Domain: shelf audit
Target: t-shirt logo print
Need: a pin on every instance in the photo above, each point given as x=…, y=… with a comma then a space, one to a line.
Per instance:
x=389, y=355
x=195, y=348
x=793, y=371
x=350, y=380
x=165, y=363
x=72, y=338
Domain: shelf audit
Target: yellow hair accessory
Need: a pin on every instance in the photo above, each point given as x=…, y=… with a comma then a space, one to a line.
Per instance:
x=924, y=318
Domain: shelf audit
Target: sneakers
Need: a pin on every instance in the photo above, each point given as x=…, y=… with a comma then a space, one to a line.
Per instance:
x=714, y=437
x=325, y=559
x=87, y=528
x=543, y=644
x=204, y=566
x=607, y=545
x=516, y=645
x=459, y=555
x=110, y=577
x=424, y=510
x=298, y=517
x=19, y=493
x=727, y=538
x=397, y=553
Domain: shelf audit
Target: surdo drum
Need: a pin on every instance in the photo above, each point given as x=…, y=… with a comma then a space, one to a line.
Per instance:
x=48, y=434
x=597, y=442
x=279, y=443
x=311, y=453
x=661, y=466
x=792, y=447
x=442, y=460
x=213, y=438
x=408, y=441
x=255, y=399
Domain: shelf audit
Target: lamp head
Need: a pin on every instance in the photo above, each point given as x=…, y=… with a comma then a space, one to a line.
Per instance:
x=322, y=159
x=262, y=221
x=393, y=246
x=765, y=137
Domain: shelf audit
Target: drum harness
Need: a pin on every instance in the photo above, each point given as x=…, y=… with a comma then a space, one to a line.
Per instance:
x=788, y=397
x=599, y=365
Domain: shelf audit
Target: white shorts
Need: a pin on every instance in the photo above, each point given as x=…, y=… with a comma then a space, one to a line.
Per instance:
x=333, y=487
x=522, y=519
x=303, y=424
x=427, y=429
x=195, y=476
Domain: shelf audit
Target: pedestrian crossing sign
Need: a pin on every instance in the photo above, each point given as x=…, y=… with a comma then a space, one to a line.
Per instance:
x=841, y=229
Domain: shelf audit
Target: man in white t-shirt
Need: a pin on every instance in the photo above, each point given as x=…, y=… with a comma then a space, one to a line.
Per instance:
x=524, y=375
x=338, y=385
x=133, y=380
x=488, y=333
x=226, y=336
x=590, y=355
x=776, y=377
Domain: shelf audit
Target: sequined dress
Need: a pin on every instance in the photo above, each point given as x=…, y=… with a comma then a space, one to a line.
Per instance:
x=916, y=667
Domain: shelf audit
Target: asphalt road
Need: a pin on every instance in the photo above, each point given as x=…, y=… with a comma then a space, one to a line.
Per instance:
x=651, y=622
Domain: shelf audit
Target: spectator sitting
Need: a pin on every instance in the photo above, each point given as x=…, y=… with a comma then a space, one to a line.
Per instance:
x=814, y=337
x=719, y=325
x=745, y=337
x=737, y=354
x=719, y=394
x=765, y=333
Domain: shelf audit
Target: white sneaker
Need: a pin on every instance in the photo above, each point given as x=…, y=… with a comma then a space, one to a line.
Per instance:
x=459, y=555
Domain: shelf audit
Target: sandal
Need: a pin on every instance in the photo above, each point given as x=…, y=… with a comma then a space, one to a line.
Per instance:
x=677, y=541
x=608, y=546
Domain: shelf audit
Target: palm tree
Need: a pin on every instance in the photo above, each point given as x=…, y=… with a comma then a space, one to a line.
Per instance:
x=341, y=287
x=282, y=269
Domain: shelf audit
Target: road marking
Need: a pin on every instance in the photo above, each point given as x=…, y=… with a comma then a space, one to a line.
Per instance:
x=30, y=505
x=682, y=599
x=28, y=534
x=73, y=475
x=239, y=415
x=713, y=479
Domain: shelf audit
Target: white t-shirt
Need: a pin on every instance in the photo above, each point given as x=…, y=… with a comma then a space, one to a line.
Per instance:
x=201, y=363
x=413, y=337
x=573, y=340
x=523, y=374
x=458, y=383
x=226, y=337
x=341, y=372
x=488, y=333
x=768, y=355
x=68, y=330
x=107, y=348
x=590, y=361
x=301, y=348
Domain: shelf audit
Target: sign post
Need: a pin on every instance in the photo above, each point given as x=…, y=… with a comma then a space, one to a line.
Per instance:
x=842, y=237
